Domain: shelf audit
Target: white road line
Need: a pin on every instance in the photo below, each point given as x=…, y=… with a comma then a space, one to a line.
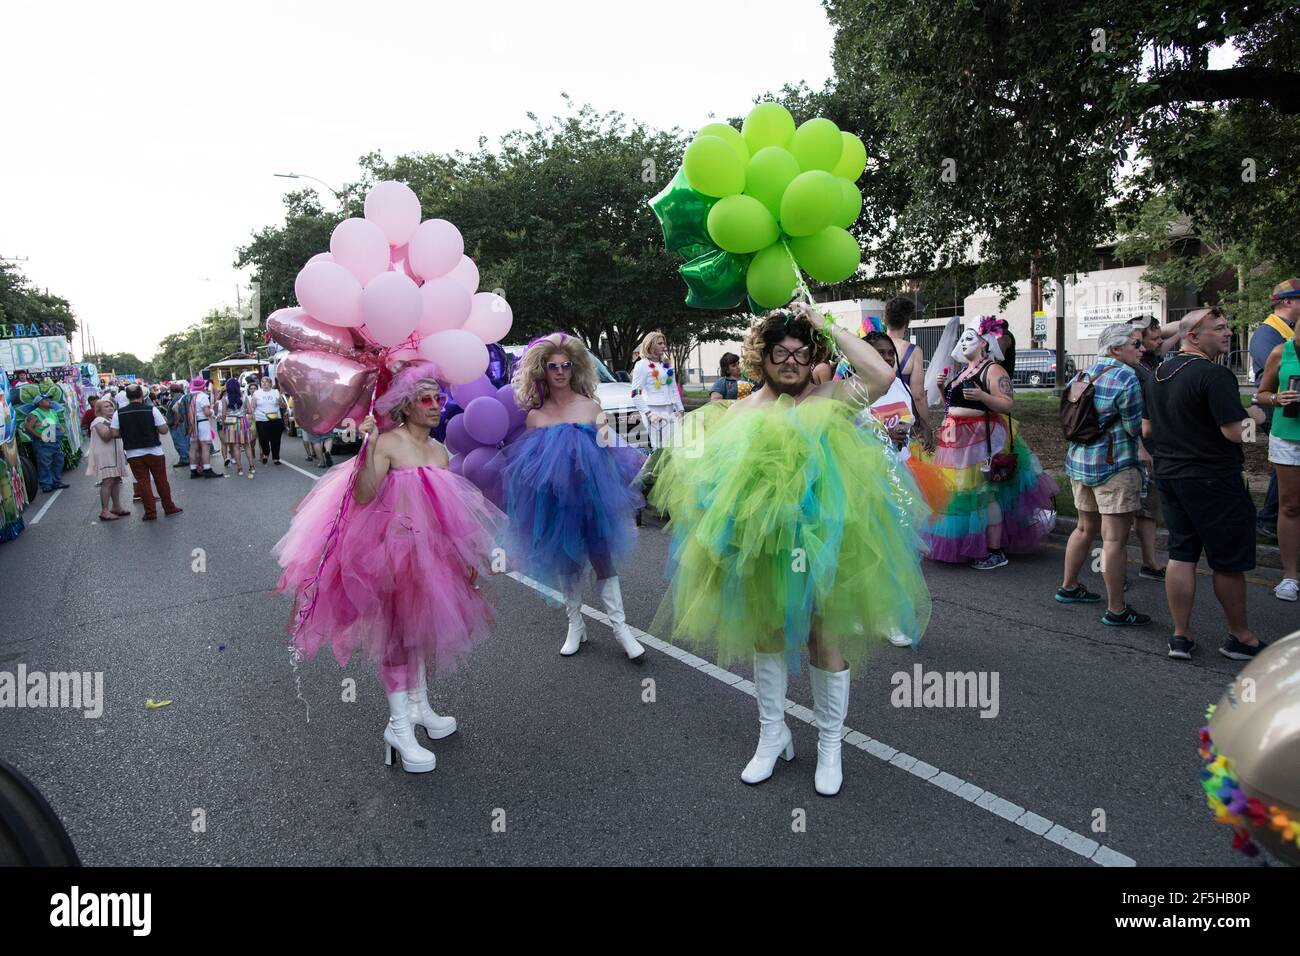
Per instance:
x=46, y=507
x=301, y=471
x=986, y=800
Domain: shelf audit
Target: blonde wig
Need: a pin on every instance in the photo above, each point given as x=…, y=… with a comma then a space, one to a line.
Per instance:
x=529, y=380
x=648, y=340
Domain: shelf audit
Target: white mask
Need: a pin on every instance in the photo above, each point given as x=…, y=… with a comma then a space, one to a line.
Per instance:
x=966, y=345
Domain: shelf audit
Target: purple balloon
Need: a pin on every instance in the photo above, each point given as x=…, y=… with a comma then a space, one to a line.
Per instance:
x=457, y=462
x=506, y=396
x=486, y=421
x=479, y=388
x=516, y=434
x=481, y=468
x=457, y=439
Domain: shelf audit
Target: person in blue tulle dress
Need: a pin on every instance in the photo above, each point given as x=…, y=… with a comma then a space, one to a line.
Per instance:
x=568, y=486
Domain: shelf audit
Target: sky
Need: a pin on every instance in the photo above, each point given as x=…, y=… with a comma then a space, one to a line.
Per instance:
x=142, y=138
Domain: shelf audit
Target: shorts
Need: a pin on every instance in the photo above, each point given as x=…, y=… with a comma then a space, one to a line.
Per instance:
x=1151, y=503
x=205, y=430
x=1214, y=514
x=1282, y=451
x=1120, y=494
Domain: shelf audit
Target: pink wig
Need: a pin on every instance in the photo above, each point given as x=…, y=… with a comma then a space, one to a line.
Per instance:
x=415, y=377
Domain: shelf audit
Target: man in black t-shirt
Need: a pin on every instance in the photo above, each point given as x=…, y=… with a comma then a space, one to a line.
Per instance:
x=1193, y=419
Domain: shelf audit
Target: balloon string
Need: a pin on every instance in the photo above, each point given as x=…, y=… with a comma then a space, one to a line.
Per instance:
x=853, y=383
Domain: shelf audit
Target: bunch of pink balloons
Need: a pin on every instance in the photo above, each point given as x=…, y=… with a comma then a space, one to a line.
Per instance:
x=490, y=421
x=390, y=289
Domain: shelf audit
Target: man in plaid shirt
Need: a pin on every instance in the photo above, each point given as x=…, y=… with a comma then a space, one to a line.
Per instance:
x=1106, y=476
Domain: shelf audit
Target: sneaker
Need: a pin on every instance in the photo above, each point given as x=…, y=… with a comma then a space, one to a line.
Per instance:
x=899, y=639
x=1151, y=574
x=1288, y=590
x=1181, y=648
x=1235, y=650
x=1126, y=618
x=1264, y=531
x=1079, y=595
x=995, y=559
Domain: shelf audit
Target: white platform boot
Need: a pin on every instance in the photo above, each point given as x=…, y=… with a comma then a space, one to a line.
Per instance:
x=573, y=608
x=830, y=707
x=612, y=595
x=422, y=713
x=774, y=738
x=399, y=736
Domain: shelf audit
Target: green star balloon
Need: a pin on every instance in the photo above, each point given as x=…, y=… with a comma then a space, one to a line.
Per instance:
x=683, y=214
x=715, y=280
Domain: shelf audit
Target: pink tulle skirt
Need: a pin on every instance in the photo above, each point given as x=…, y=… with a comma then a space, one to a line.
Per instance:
x=401, y=581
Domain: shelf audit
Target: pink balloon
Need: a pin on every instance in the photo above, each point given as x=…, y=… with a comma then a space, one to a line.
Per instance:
x=490, y=317
x=360, y=247
x=486, y=421
x=466, y=273
x=330, y=293
x=324, y=387
x=404, y=355
x=461, y=356
x=299, y=332
x=446, y=305
x=358, y=412
x=435, y=248
x=390, y=304
x=320, y=257
x=395, y=209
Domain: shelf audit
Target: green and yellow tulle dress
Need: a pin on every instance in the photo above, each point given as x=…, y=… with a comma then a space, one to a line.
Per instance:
x=786, y=518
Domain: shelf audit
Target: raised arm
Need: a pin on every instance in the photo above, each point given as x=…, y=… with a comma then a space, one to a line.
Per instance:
x=867, y=364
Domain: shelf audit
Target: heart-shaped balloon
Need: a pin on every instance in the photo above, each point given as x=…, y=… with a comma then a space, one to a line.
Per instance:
x=297, y=331
x=325, y=387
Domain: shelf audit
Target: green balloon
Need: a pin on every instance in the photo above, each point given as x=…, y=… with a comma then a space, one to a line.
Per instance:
x=772, y=277
x=817, y=145
x=729, y=133
x=853, y=158
x=713, y=167
x=768, y=124
x=742, y=224
x=769, y=172
x=715, y=280
x=810, y=202
x=831, y=255
x=683, y=215
x=849, y=206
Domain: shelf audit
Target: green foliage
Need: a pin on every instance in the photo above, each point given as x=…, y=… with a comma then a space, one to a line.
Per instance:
x=556, y=218
x=22, y=303
x=124, y=363
x=1000, y=130
x=185, y=353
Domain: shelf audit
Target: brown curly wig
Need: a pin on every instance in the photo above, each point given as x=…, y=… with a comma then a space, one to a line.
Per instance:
x=770, y=329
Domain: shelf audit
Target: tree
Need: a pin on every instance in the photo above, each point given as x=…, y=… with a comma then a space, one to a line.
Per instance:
x=1001, y=130
x=21, y=303
x=557, y=220
x=184, y=353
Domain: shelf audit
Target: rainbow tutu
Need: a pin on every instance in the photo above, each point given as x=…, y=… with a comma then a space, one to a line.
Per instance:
x=958, y=533
x=788, y=520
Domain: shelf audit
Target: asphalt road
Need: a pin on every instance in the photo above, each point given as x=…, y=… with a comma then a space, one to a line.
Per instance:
x=564, y=760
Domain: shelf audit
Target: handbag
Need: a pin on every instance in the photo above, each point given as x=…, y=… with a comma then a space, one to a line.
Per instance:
x=1002, y=466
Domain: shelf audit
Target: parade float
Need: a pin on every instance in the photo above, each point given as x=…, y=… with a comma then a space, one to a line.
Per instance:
x=13, y=490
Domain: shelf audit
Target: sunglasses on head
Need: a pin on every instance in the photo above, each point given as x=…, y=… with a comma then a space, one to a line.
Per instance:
x=558, y=366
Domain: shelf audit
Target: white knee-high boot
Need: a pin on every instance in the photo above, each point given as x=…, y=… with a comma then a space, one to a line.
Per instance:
x=423, y=714
x=612, y=595
x=830, y=707
x=774, y=738
x=573, y=608
x=399, y=736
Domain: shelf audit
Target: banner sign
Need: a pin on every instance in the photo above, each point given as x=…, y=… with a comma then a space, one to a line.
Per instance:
x=1094, y=318
x=46, y=352
x=19, y=330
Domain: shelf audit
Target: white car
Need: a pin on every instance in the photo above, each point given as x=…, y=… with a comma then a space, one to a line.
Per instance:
x=615, y=399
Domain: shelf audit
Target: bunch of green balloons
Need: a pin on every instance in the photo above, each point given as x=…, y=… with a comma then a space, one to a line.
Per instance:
x=749, y=209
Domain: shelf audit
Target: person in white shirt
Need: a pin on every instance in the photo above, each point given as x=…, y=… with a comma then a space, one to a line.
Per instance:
x=654, y=390
x=268, y=417
x=140, y=427
x=202, y=431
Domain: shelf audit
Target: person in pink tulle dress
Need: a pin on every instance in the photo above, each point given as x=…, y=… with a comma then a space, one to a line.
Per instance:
x=400, y=581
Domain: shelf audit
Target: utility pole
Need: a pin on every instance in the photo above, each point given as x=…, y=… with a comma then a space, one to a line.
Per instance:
x=1060, y=334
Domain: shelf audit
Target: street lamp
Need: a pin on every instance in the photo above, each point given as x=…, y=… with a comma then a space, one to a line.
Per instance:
x=342, y=196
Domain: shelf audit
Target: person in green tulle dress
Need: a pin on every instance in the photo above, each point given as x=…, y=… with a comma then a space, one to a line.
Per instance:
x=792, y=527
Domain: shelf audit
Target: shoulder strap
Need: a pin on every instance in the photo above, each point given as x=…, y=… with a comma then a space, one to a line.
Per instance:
x=902, y=366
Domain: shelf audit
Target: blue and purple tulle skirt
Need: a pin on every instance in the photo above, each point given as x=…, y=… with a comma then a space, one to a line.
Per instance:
x=571, y=502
